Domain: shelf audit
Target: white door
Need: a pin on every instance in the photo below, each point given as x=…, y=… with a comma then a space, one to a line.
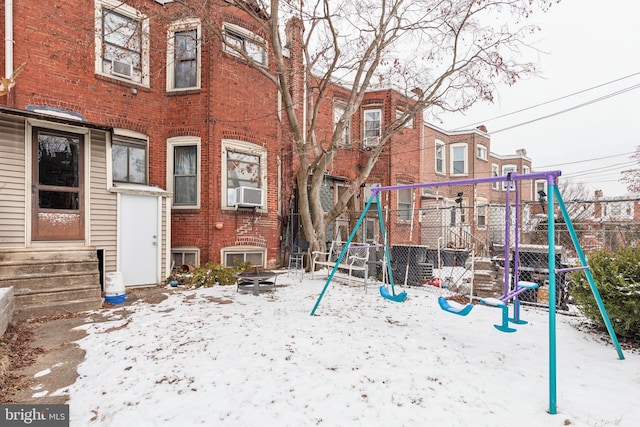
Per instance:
x=139, y=239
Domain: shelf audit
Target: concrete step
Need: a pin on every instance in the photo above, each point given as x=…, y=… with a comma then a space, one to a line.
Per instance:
x=26, y=255
x=22, y=312
x=45, y=268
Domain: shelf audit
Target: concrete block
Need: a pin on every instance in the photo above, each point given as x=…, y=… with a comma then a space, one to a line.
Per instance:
x=6, y=308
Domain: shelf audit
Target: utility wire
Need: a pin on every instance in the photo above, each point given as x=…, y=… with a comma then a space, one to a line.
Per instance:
x=549, y=102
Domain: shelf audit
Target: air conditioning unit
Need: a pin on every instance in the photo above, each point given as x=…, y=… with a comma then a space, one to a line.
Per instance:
x=249, y=197
x=121, y=69
x=371, y=141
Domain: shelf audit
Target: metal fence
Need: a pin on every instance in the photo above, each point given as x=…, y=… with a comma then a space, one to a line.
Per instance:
x=453, y=241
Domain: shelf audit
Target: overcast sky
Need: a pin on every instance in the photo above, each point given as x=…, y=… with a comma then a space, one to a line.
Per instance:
x=590, y=43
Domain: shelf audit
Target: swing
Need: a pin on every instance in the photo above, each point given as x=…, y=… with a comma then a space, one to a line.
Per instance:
x=384, y=292
x=459, y=309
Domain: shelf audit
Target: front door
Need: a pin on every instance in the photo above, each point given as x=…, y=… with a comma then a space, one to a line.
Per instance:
x=57, y=189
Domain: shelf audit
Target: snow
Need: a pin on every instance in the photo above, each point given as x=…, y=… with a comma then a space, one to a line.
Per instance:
x=212, y=356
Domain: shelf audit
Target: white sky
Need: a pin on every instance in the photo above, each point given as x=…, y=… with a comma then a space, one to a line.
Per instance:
x=216, y=357
x=589, y=43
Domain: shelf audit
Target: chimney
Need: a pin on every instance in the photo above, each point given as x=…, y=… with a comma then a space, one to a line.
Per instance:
x=482, y=128
x=598, y=194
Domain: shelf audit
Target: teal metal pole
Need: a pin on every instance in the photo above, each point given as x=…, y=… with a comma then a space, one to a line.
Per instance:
x=587, y=271
x=551, y=265
x=344, y=251
x=386, y=248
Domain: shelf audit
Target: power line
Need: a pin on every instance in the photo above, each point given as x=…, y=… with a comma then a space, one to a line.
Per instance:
x=584, y=104
x=585, y=161
x=553, y=100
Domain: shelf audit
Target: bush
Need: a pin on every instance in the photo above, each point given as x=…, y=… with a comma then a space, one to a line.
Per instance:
x=209, y=275
x=617, y=277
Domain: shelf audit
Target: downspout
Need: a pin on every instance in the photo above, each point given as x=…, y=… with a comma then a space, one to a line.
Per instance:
x=8, y=39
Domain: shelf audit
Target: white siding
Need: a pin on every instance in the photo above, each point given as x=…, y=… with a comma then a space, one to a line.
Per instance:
x=12, y=182
x=103, y=220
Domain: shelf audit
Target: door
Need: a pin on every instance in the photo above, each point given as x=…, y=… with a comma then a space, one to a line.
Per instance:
x=57, y=185
x=138, y=230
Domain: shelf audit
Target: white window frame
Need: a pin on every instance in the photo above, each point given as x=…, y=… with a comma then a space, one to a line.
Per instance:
x=183, y=250
x=246, y=39
x=140, y=139
x=481, y=152
x=409, y=124
x=374, y=132
x=495, y=172
x=131, y=13
x=245, y=148
x=184, y=141
x=440, y=145
x=339, y=110
x=404, y=205
x=454, y=147
x=242, y=250
x=540, y=184
x=505, y=170
x=481, y=211
x=176, y=27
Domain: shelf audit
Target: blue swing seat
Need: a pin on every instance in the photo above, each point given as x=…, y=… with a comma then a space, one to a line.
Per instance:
x=460, y=310
x=384, y=292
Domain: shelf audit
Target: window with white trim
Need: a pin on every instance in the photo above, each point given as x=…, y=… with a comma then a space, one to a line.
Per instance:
x=541, y=186
x=241, y=42
x=231, y=256
x=459, y=159
x=338, y=113
x=506, y=169
x=409, y=123
x=122, y=42
x=405, y=196
x=187, y=255
x=440, y=157
x=244, y=166
x=481, y=214
x=495, y=171
x=183, y=55
x=372, y=126
x=183, y=171
x=481, y=152
x=129, y=159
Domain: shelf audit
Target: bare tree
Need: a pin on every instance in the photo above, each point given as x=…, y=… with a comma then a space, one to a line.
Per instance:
x=631, y=177
x=443, y=55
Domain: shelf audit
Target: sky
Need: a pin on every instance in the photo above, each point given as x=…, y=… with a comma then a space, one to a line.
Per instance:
x=588, y=45
x=216, y=357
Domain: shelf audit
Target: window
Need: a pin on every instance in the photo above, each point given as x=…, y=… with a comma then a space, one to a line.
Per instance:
x=459, y=159
x=404, y=204
x=452, y=216
x=129, y=159
x=243, y=165
x=238, y=254
x=372, y=126
x=182, y=256
x=183, y=171
x=183, y=56
x=238, y=41
x=506, y=169
x=495, y=171
x=440, y=161
x=481, y=215
x=338, y=113
x=541, y=188
x=122, y=42
x=481, y=152
x=409, y=123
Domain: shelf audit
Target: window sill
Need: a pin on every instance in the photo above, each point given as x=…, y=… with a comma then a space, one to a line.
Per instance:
x=122, y=82
x=187, y=91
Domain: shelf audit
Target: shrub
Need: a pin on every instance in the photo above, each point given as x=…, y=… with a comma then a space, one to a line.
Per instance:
x=211, y=274
x=617, y=277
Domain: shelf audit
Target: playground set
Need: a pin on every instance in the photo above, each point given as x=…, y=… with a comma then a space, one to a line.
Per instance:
x=513, y=287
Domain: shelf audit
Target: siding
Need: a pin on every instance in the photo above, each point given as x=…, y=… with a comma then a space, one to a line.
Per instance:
x=103, y=205
x=12, y=182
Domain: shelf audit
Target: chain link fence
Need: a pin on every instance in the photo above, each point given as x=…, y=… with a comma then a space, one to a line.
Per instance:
x=455, y=242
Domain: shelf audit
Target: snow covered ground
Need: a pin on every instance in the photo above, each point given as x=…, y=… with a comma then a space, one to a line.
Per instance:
x=215, y=357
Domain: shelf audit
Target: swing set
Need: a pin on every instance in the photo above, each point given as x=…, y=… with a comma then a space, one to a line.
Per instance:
x=509, y=295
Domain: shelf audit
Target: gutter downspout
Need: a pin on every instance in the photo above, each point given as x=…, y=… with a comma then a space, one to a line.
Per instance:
x=8, y=41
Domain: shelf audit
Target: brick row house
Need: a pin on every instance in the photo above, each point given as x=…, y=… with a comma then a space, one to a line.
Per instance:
x=132, y=141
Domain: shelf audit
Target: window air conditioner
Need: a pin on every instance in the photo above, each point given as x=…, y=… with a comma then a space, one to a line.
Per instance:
x=371, y=141
x=121, y=69
x=249, y=197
